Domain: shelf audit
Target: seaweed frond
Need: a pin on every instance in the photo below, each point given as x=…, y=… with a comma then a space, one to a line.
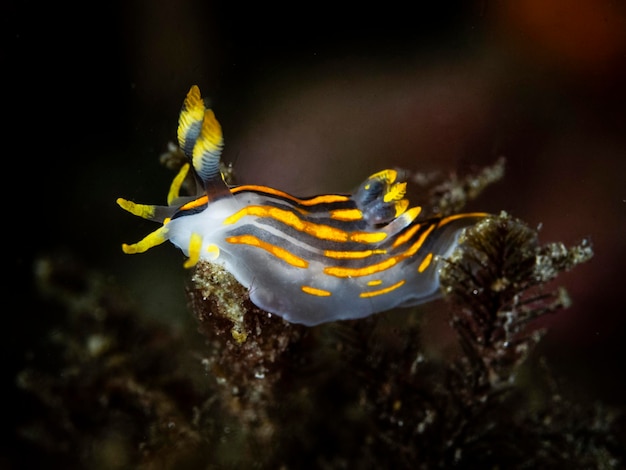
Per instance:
x=495, y=279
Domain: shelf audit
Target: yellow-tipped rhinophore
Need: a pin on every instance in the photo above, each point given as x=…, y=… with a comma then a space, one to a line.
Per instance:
x=209, y=145
x=191, y=117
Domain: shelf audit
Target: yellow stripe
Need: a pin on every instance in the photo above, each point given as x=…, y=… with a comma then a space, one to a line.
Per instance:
x=277, y=251
x=376, y=282
x=386, y=290
x=315, y=291
x=425, y=263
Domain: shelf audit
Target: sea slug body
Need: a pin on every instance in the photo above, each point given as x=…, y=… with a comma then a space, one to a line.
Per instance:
x=309, y=260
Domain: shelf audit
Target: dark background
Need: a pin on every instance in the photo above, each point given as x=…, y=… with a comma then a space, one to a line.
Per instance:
x=314, y=97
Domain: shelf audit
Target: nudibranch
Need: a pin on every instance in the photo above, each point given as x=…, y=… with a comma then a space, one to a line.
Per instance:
x=309, y=260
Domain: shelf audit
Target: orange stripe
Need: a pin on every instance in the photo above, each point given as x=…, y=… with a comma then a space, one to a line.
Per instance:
x=277, y=251
x=323, y=199
x=386, y=290
x=314, y=291
x=339, y=271
x=400, y=239
x=321, y=231
x=452, y=218
x=353, y=254
x=346, y=215
x=195, y=203
x=420, y=241
x=425, y=263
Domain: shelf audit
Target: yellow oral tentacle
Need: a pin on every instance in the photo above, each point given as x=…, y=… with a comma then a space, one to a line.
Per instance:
x=151, y=240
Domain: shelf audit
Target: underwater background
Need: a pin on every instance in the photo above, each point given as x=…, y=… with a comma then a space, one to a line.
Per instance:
x=312, y=98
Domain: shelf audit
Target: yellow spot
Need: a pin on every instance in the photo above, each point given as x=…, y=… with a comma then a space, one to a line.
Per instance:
x=353, y=254
x=153, y=239
x=386, y=290
x=315, y=291
x=346, y=215
x=238, y=335
x=141, y=210
x=195, y=247
x=174, y=191
x=214, y=251
x=277, y=251
x=425, y=263
x=375, y=282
